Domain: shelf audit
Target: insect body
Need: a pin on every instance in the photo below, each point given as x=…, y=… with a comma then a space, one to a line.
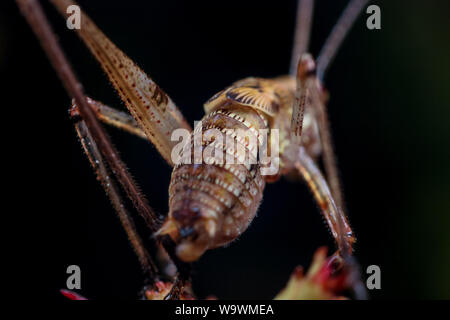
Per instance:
x=212, y=204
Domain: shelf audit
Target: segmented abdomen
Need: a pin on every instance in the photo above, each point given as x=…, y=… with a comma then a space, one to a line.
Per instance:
x=227, y=195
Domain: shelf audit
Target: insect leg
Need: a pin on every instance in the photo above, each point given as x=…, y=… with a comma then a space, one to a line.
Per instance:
x=116, y=118
x=335, y=218
x=329, y=157
x=309, y=91
x=166, y=242
x=302, y=32
x=124, y=121
x=109, y=185
x=306, y=68
x=35, y=16
x=152, y=108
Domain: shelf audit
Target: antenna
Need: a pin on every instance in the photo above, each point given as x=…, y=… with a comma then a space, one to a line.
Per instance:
x=302, y=32
x=337, y=35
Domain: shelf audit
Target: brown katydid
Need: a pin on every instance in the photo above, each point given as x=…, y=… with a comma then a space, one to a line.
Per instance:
x=213, y=203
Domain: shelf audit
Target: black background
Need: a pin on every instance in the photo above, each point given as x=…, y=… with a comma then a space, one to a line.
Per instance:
x=389, y=111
